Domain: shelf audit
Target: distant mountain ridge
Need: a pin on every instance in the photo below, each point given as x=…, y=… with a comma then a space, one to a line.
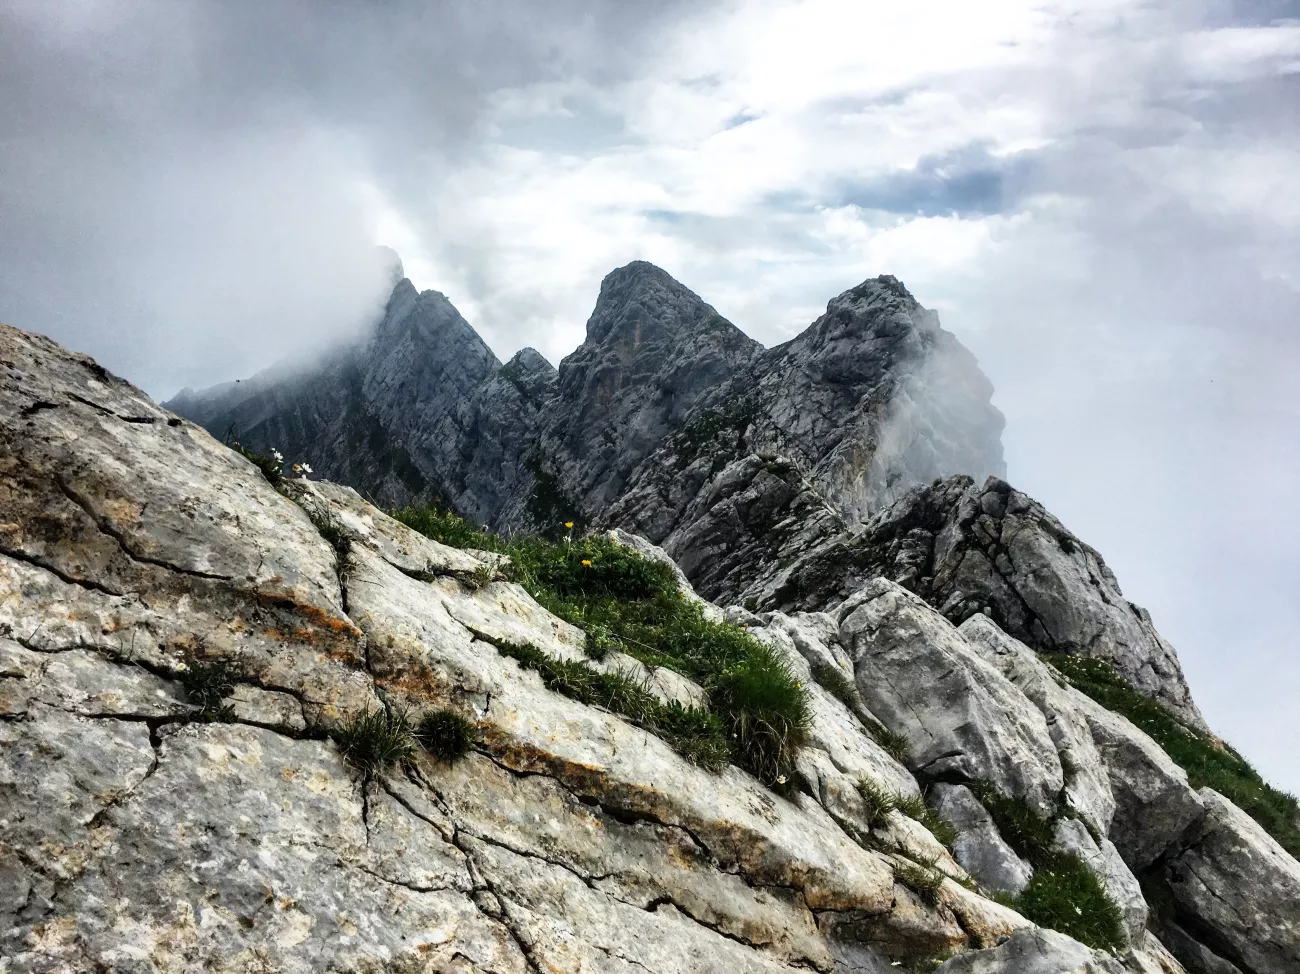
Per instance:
x=421, y=409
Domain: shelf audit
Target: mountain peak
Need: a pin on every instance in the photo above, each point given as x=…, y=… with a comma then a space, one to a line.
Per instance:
x=642, y=303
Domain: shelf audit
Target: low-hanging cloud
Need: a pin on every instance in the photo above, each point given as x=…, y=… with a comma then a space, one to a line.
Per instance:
x=189, y=185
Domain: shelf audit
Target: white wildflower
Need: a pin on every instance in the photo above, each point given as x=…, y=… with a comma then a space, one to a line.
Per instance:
x=781, y=779
x=306, y=468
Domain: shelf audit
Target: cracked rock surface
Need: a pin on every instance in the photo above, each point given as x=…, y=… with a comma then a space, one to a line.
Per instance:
x=143, y=831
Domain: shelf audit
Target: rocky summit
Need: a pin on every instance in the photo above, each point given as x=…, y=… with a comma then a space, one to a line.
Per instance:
x=760, y=665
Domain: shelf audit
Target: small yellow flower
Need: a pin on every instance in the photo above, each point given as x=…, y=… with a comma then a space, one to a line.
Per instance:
x=586, y=563
x=568, y=524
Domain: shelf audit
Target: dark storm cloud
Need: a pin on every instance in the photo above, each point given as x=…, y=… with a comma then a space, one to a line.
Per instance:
x=181, y=180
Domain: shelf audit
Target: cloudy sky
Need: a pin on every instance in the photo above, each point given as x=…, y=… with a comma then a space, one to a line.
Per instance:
x=1101, y=198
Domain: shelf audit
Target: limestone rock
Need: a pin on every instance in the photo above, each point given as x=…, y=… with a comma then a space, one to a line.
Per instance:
x=1033, y=952
x=653, y=348
x=142, y=832
x=1150, y=956
x=139, y=833
x=968, y=549
x=979, y=847
x=1154, y=805
x=1087, y=783
x=1104, y=860
x=960, y=716
x=1240, y=888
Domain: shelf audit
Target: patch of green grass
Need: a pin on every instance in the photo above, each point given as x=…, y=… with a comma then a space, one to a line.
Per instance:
x=632, y=605
x=1065, y=895
x=878, y=802
x=373, y=740
x=922, y=879
x=766, y=709
x=445, y=734
x=834, y=681
x=1206, y=761
x=943, y=830
x=445, y=526
x=207, y=684
x=696, y=734
x=895, y=745
x=1029, y=834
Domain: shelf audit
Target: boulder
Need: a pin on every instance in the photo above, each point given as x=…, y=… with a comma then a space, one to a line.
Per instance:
x=979, y=848
x=1087, y=783
x=1033, y=951
x=991, y=549
x=962, y=719
x=1154, y=805
x=1238, y=889
x=1104, y=860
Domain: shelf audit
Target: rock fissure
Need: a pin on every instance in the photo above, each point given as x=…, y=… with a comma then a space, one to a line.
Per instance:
x=60, y=574
x=105, y=526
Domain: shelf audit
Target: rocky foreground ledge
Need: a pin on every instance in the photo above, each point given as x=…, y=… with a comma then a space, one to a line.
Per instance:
x=144, y=830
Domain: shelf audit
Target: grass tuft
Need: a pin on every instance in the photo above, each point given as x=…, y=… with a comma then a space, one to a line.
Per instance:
x=1064, y=894
x=1206, y=761
x=207, y=684
x=446, y=735
x=373, y=740
x=766, y=710
x=838, y=685
x=759, y=711
x=695, y=734
x=1030, y=835
x=922, y=879
x=445, y=526
x=269, y=466
x=895, y=745
x=879, y=802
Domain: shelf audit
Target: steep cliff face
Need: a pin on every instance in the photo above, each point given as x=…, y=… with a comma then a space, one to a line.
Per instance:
x=185, y=648
x=653, y=350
